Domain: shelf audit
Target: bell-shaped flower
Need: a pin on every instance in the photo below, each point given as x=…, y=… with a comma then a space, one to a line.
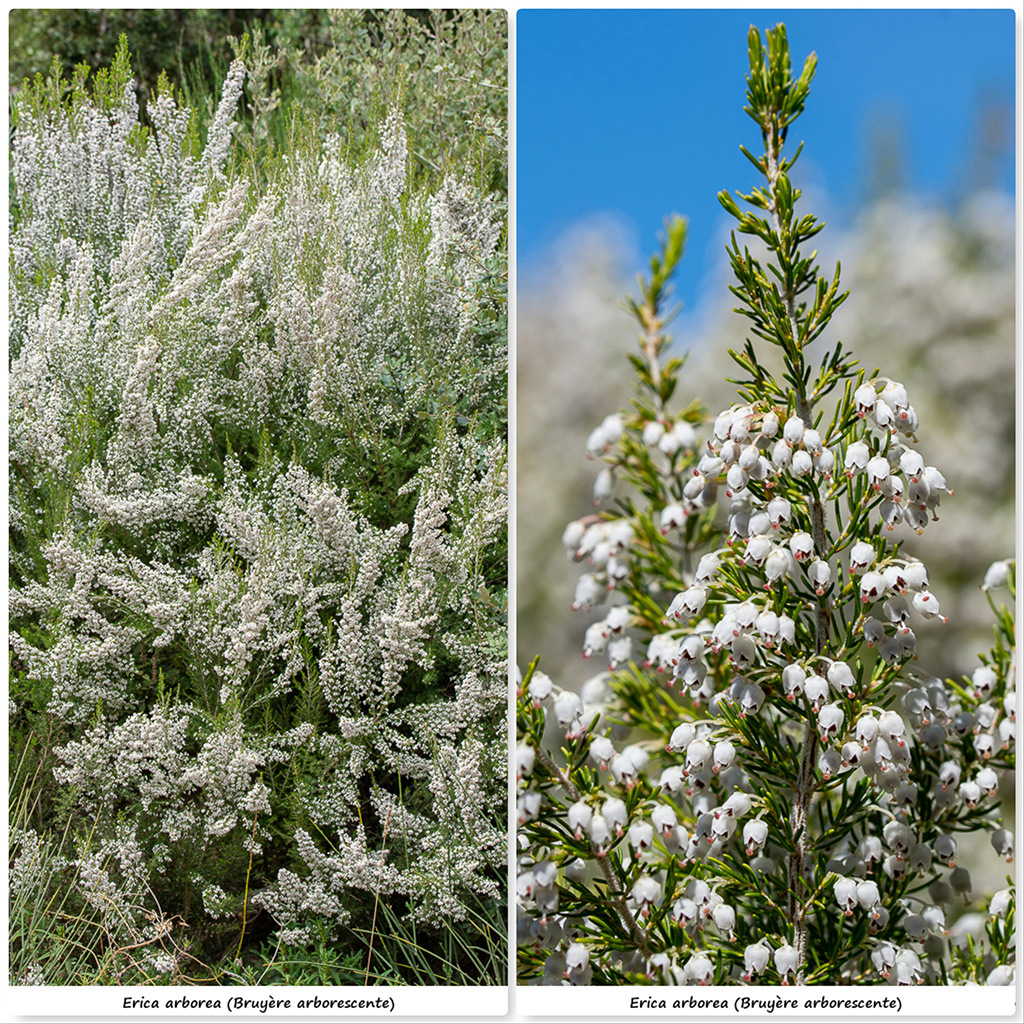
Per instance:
x=755, y=834
x=672, y=516
x=751, y=700
x=871, y=586
x=865, y=397
x=793, y=431
x=845, y=891
x=840, y=678
x=793, y=680
x=579, y=816
x=960, y=880
x=653, y=432
x=1003, y=974
x=829, y=763
x=830, y=721
x=786, y=961
x=819, y=573
x=988, y=781
x=1002, y=843
x=577, y=957
x=589, y=592
x=970, y=793
x=724, y=917
x=671, y=779
x=619, y=651
x=724, y=755
x=802, y=463
x=755, y=959
x=697, y=754
x=758, y=548
x=1000, y=903
x=782, y=455
x=858, y=454
x=996, y=575
x=867, y=895
x=568, y=707
x=816, y=690
x=777, y=564
x=927, y=605
x=646, y=892
x=664, y=820
x=682, y=736
x=614, y=812
x=883, y=957
x=898, y=838
x=623, y=770
x=779, y=512
x=640, y=837
x=687, y=604
x=707, y=567
x=527, y=806
x=539, y=688
x=524, y=761
x=700, y=969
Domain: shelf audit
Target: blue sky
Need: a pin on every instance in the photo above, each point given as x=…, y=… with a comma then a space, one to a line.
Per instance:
x=640, y=113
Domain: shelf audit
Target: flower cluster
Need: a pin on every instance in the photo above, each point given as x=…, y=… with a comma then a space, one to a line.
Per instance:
x=258, y=501
x=773, y=794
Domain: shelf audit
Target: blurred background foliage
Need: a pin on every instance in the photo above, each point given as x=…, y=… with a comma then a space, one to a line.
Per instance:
x=322, y=69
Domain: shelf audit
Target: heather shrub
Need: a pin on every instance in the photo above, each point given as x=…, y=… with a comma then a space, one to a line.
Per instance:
x=258, y=517
x=766, y=784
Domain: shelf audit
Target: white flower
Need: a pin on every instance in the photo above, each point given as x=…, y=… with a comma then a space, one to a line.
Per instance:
x=857, y=457
x=845, y=890
x=820, y=575
x=830, y=721
x=524, y=760
x=802, y=545
x=997, y=574
x=647, y=892
x=699, y=968
x=579, y=816
x=755, y=959
x=1002, y=843
x=865, y=397
x=786, y=961
x=862, y=557
x=1000, y=903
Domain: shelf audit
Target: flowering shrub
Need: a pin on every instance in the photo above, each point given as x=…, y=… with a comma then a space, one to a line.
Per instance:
x=764, y=786
x=258, y=511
